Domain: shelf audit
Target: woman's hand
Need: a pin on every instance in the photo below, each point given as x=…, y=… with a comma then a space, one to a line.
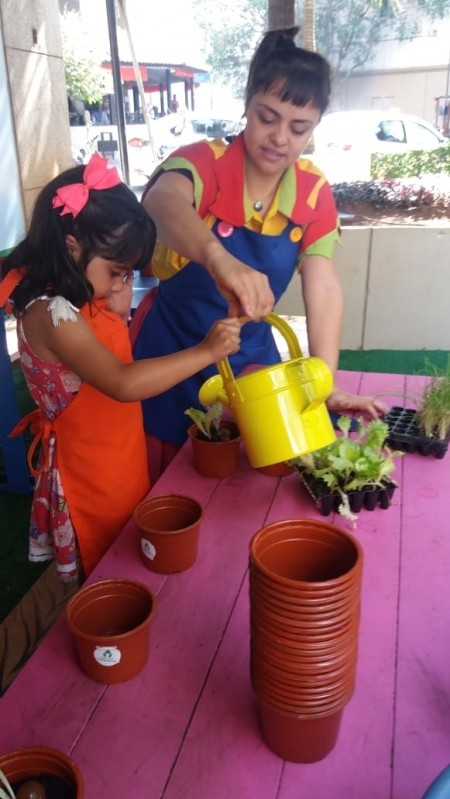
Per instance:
x=170, y=202
x=343, y=401
x=246, y=290
x=120, y=301
x=223, y=339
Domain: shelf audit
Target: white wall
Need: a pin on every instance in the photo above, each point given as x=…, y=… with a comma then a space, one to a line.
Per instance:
x=396, y=283
x=12, y=222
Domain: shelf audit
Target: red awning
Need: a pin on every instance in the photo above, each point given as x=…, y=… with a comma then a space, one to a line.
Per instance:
x=127, y=73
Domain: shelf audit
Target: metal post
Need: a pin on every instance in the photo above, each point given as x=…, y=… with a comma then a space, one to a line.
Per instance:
x=446, y=101
x=120, y=107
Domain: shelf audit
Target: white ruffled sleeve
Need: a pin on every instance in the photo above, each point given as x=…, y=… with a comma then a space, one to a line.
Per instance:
x=62, y=310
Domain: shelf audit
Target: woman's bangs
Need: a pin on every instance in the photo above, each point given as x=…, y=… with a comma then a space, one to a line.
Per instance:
x=299, y=90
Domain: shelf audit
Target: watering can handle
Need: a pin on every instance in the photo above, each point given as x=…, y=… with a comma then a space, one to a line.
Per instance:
x=286, y=331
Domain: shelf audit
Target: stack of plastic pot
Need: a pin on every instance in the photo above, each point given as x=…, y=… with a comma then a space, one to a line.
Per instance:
x=305, y=585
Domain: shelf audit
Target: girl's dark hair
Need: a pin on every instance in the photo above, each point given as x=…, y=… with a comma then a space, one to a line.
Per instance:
x=295, y=75
x=112, y=225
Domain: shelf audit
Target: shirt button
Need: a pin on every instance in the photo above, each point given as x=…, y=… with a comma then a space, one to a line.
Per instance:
x=296, y=234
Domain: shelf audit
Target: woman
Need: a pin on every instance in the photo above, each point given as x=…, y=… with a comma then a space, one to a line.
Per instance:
x=234, y=222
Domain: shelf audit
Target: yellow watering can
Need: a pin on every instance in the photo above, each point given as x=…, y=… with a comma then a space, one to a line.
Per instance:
x=280, y=410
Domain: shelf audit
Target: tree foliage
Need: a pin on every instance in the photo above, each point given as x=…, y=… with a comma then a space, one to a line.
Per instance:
x=85, y=78
x=346, y=32
x=230, y=38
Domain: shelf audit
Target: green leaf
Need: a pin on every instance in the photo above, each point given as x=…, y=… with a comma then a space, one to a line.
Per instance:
x=3, y=794
x=208, y=422
x=353, y=461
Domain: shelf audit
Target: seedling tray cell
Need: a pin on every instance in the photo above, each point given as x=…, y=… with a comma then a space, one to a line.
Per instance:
x=369, y=498
x=404, y=434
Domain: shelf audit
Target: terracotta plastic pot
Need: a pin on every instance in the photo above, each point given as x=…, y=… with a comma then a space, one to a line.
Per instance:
x=317, y=648
x=306, y=599
x=313, y=686
x=297, y=702
x=296, y=551
x=308, y=663
x=216, y=458
x=289, y=673
x=299, y=740
x=277, y=470
x=327, y=632
x=169, y=525
x=32, y=762
x=311, y=622
x=290, y=707
x=110, y=623
x=328, y=621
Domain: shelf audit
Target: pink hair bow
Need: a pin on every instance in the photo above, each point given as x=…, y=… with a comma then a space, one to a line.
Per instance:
x=73, y=198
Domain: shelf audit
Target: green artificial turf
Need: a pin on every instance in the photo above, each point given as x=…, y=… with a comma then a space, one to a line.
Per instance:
x=17, y=574
x=406, y=362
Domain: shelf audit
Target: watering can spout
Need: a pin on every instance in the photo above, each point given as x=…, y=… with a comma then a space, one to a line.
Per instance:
x=280, y=409
x=213, y=391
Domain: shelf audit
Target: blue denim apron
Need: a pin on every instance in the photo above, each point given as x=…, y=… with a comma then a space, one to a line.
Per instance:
x=186, y=307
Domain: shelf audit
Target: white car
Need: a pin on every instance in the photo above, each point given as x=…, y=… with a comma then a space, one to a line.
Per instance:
x=189, y=128
x=345, y=140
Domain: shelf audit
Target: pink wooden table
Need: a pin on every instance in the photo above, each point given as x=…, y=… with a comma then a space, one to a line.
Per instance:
x=186, y=727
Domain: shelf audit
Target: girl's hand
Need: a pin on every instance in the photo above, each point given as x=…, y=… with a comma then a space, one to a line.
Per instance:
x=223, y=339
x=343, y=401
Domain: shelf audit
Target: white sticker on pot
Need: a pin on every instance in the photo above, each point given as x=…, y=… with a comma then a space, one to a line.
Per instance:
x=148, y=549
x=107, y=655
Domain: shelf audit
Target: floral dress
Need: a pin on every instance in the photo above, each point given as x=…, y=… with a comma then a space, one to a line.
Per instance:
x=53, y=387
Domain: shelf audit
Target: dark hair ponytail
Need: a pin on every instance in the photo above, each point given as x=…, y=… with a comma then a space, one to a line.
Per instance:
x=295, y=75
x=112, y=225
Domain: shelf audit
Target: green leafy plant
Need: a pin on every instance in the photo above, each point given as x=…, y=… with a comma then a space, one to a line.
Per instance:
x=352, y=464
x=433, y=409
x=209, y=422
x=432, y=403
x=397, y=193
x=31, y=789
x=8, y=793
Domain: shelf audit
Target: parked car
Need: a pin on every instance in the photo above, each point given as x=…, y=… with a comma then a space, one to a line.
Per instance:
x=189, y=128
x=345, y=140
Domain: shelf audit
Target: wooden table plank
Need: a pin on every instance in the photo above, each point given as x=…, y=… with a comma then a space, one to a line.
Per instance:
x=223, y=754
x=193, y=610
x=422, y=744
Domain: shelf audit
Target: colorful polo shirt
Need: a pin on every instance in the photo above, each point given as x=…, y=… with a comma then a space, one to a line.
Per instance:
x=302, y=219
x=216, y=170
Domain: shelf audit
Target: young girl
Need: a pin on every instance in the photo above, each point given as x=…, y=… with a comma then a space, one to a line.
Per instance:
x=69, y=282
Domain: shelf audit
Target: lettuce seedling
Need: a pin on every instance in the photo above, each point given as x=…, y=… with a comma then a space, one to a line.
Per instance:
x=209, y=421
x=352, y=464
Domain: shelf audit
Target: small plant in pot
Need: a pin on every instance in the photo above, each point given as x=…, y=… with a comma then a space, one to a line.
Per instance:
x=30, y=789
x=425, y=429
x=351, y=473
x=39, y=773
x=215, y=441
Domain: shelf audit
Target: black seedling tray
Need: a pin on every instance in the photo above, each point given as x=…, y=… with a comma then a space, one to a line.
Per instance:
x=369, y=498
x=404, y=434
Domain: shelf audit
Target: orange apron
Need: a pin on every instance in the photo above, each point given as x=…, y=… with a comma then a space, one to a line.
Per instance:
x=101, y=452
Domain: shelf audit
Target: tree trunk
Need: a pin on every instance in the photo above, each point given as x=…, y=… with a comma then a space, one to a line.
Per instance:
x=281, y=14
x=309, y=27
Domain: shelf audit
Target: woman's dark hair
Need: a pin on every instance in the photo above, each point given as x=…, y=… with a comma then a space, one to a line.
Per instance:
x=294, y=75
x=112, y=225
